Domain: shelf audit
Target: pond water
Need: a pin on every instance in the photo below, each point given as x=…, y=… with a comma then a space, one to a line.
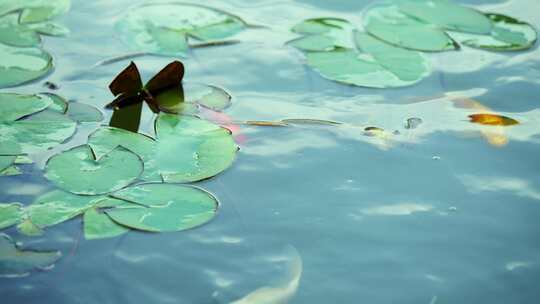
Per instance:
x=446, y=212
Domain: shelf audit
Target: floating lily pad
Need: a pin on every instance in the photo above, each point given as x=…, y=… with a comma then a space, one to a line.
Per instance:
x=15, y=262
x=21, y=65
x=28, y=228
x=323, y=34
x=165, y=207
x=58, y=206
x=6, y=162
x=98, y=225
x=508, y=34
x=11, y=171
x=50, y=29
x=164, y=28
x=23, y=160
x=81, y=112
x=209, y=96
x=34, y=134
x=15, y=106
x=16, y=34
x=347, y=67
x=492, y=119
x=447, y=15
x=186, y=149
x=386, y=22
x=33, y=11
x=10, y=214
x=409, y=66
x=79, y=172
x=59, y=103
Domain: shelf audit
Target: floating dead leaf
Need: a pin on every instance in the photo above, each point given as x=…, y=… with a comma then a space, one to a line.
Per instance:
x=260, y=123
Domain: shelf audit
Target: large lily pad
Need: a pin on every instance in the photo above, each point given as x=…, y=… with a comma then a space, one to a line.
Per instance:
x=34, y=134
x=186, y=148
x=164, y=207
x=208, y=96
x=81, y=112
x=10, y=214
x=6, y=161
x=16, y=34
x=347, y=67
x=447, y=15
x=409, y=66
x=385, y=21
x=15, y=262
x=98, y=225
x=508, y=34
x=59, y=103
x=21, y=65
x=15, y=106
x=33, y=11
x=78, y=171
x=323, y=34
x=164, y=28
x=58, y=206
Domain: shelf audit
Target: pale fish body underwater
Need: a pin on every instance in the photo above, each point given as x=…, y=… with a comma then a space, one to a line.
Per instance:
x=279, y=294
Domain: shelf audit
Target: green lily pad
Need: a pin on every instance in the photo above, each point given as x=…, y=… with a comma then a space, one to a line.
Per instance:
x=346, y=66
x=508, y=34
x=50, y=29
x=81, y=112
x=10, y=214
x=208, y=96
x=447, y=15
x=23, y=160
x=57, y=206
x=15, y=34
x=15, y=106
x=386, y=22
x=6, y=162
x=11, y=171
x=323, y=34
x=165, y=207
x=186, y=149
x=15, y=262
x=409, y=66
x=313, y=43
x=164, y=28
x=98, y=225
x=33, y=11
x=59, y=103
x=79, y=172
x=21, y=65
x=34, y=134
x=28, y=228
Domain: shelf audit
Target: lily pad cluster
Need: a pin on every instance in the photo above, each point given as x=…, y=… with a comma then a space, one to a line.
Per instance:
x=172, y=28
x=389, y=52
x=21, y=25
x=123, y=180
x=34, y=123
x=126, y=180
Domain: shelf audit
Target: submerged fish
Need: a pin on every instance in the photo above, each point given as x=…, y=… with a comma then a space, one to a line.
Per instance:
x=279, y=294
x=496, y=136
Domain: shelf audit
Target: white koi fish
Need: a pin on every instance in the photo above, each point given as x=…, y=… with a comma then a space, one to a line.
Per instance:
x=280, y=294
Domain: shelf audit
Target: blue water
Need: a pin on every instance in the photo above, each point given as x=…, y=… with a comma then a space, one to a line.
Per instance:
x=436, y=214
